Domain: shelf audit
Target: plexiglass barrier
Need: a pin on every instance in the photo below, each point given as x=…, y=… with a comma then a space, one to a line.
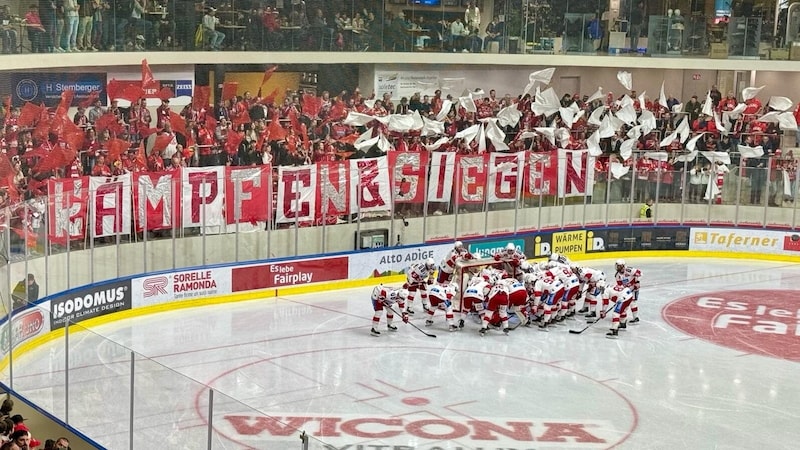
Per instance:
x=53, y=244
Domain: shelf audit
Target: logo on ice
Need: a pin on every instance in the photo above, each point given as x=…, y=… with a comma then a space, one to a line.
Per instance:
x=344, y=432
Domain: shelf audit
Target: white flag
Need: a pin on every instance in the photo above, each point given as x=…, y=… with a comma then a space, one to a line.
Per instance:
x=625, y=79
x=598, y=94
x=751, y=92
x=780, y=103
x=750, y=152
x=662, y=98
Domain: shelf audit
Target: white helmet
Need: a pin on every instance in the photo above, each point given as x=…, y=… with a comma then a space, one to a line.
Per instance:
x=430, y=263
x=529, y=279
x=458, y=245
x=510, y=248
x=554, y=257
x=403, y=293
x=525, y=266
x=620, y=264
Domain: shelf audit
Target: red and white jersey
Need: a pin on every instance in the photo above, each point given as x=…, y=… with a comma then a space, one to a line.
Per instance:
x=510, y=256
x=498, y=292
x=628, y=277
x=618, y=294
x=441, y=292
x=591, y=276
x=546, y=285
x=418, y=273
x=448, y=264
x=563, y=273
x=477, y=289
x=386, y=294
x=517, y=294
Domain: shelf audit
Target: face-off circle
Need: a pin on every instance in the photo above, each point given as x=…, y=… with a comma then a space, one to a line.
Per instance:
x=763, y=322
x=372, y=403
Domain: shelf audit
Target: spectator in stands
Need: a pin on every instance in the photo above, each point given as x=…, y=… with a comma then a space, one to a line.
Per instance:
x=143, y=29
x=62, y=443
x=7, y=30
x=635, y=24
x=19, y=425
x=71, y=25
x=495, y=33
x=26, y=291
x=47, y=13
x=210, y=23
x=36, y=31
x=458, y=34
x=85, y=24
x=22, y=438
x=693, y=108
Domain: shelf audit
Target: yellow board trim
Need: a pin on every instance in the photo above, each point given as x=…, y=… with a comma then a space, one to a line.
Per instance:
x=349, y=284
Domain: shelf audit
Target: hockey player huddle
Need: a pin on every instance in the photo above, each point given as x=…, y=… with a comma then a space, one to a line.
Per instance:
x=545, y=294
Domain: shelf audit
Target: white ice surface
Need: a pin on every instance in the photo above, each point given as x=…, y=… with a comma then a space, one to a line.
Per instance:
x=312, y=356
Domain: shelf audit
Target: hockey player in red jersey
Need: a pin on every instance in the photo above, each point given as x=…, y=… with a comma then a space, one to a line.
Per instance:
x=448, y=265
x=441, y=297
x=386, y=297
x=497, y=303
x=418, y=277
x=622, y=297
x=629, y=277
x=517, y=299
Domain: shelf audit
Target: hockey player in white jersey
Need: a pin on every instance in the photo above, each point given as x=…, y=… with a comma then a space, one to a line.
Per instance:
x=622, y=297
x=448, y=265
x=473, y=297
x=510, y=260
x=384, y=297
x=593, y=282
x=418, y=277
x=441, y=296
x=547, y=292
x=629, y=277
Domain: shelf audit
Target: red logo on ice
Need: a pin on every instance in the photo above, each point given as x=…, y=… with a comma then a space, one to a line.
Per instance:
x=765, y=322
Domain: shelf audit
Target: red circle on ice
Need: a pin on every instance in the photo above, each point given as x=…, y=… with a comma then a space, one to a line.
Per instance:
x=416, y=401
x=763, y=322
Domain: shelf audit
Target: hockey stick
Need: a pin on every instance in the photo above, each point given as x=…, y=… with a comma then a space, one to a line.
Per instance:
x=409, y=323
x=598, y=320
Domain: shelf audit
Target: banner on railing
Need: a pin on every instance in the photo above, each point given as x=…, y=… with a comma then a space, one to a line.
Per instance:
x=180, y=285
x=213, y=198
x=745, y=240
x=289, y=273
x=26, y=325
x=598, y=240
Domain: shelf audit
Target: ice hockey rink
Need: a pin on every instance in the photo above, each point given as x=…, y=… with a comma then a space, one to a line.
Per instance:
x=712, y=365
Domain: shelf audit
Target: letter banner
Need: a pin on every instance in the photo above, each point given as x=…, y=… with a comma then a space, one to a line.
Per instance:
x=290, y=273
x=541, y=173
x=471, y=174
x=505, y=176
x=296, y=194
x=203, y=198
x=408, y=176
x=155, y=198
x=68, y=209
x=247, y=198
x=333, y=197
x=442, y=173
x=111, y=205
x=575, y=172
x=371, y=179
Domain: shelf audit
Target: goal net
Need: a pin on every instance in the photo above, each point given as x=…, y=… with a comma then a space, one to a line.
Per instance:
x=464, y=271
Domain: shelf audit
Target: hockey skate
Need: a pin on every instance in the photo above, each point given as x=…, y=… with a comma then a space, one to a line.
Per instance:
x=483, y=331
x=375, y=332
x=506, y=330
x=612, y=334
x=391, y=327
x=591, y=315
x=410, y=311
x=623, y=325
x=428, y=322
x=453, y=328
x=461, y=323
x=635, y=320
x=543, y=326
x=583, y=310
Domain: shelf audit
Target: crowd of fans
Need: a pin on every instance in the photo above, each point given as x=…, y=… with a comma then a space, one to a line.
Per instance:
x=306, y=128
x=57, y=26
x=15, y=435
